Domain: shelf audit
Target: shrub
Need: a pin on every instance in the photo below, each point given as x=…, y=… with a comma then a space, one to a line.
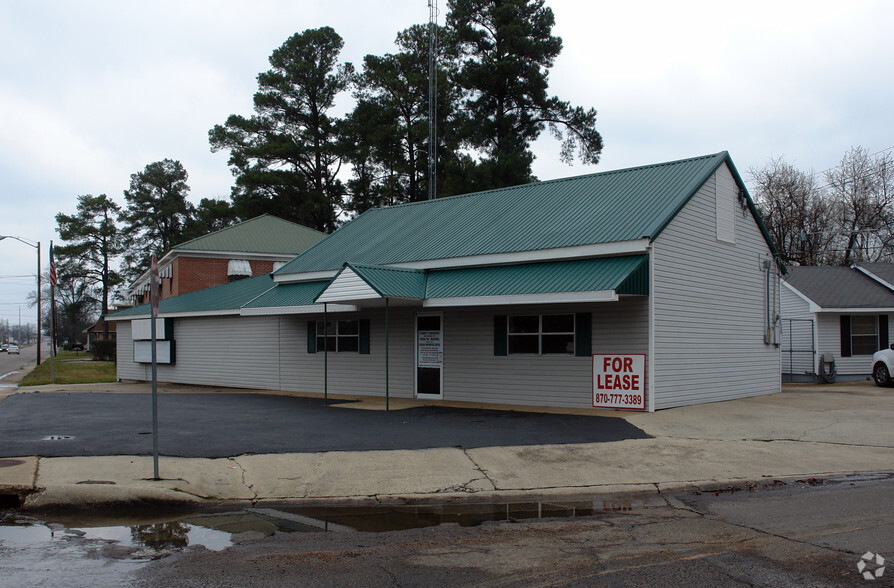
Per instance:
x=104, y=349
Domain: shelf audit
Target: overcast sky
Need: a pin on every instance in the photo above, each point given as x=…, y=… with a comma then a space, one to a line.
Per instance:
x=91, y=91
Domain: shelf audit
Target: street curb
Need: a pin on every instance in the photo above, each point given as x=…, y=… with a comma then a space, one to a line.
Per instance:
x=618, y=498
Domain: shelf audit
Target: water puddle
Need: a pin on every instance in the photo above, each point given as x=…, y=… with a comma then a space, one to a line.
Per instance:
x=100, y=549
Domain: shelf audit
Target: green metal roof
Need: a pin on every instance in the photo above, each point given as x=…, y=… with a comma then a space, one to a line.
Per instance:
x=604, y=207
x=262, y=234
x=392, y=282
x=285, y=295
x=231, y=296
x=581, y=275
x=625, y=275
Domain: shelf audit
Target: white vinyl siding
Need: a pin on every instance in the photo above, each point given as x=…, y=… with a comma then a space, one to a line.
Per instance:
x=829, y=341
x=726, y=196
x=233, y=351
x=348, y=286
x=471, y=371
x=270, y=353
x=473, y=374
x=709, y=308
x=352, y=373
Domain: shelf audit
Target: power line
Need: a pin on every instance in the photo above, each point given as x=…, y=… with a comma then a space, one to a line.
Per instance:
x=868, y=174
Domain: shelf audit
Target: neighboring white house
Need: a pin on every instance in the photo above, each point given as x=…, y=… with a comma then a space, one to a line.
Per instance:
x=843, y=312
x=648, y=287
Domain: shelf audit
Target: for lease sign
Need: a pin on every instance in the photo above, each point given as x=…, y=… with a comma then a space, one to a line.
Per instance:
x=619, y=381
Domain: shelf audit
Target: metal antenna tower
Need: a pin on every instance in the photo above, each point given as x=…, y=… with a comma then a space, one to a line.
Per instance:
x=432, y=99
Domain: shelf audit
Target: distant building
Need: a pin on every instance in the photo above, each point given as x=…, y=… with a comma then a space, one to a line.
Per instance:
x=95, y=331
x=250, y=248
x=842, y=312
x=642, y=288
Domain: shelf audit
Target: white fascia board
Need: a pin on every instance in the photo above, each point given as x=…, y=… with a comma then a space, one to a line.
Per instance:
x=515, y=299
x=857, y=310
x=307, y=309
x=812, y=306
x=871, y=275
x=305, y=277
x=632, y=247
x=186, y=314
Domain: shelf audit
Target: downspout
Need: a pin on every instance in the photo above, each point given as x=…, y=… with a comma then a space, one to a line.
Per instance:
x=386, y=355
x=325, y=354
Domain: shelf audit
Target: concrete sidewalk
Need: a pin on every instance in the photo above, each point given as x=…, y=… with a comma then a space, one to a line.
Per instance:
x=806, y=431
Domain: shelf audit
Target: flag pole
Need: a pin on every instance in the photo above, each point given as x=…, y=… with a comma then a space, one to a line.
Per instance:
x=54, y=279
x=153, y=297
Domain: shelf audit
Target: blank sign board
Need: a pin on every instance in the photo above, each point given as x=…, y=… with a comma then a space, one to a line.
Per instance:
x=141, y=330
x=164, y=352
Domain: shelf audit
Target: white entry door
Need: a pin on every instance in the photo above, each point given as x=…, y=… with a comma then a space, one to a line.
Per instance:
x=429, y=356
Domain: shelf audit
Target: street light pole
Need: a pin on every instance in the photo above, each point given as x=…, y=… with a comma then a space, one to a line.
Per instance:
x=36, y=245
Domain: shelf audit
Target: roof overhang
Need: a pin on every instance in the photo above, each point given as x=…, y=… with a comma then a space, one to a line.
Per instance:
x=187, y=314
x=873, y=276
x=815, y=308
x=306, y=309
x=364, y=285
x=856, y=310
x=556, y=282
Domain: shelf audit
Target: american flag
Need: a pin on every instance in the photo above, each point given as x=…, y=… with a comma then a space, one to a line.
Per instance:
x=54, y=279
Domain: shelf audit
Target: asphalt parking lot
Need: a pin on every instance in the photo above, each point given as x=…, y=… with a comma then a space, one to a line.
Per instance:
x=59, y=424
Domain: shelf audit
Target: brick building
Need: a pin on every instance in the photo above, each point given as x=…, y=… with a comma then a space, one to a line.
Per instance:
x=250, y=248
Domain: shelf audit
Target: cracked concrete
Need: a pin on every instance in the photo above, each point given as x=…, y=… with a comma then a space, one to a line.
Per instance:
x=803, y=432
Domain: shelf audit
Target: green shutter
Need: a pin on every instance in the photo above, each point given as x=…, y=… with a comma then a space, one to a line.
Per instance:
x=583, y=334
x=500, y=335
x=845, y=335
x=882, y=331
x=364, y=337
x=311, y=336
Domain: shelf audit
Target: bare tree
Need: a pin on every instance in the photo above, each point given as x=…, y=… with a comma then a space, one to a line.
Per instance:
x=860, y=190
x=795, y=210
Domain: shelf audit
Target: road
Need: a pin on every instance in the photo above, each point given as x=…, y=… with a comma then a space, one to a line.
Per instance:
x=11, y=363
x=795, y=534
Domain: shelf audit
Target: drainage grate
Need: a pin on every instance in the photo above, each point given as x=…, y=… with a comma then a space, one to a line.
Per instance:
x=57, y=438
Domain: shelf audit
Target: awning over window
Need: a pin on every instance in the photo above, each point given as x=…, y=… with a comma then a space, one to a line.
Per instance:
x=584, y=280
x=239, y=267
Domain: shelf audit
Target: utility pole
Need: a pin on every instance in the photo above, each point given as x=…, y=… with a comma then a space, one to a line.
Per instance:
x=432, y=99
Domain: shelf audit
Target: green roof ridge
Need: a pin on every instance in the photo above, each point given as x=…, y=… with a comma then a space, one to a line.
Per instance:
x=241, y=226
x=547, y=182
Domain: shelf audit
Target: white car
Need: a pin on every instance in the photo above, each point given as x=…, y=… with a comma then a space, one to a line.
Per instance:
x=13, y=348
x=883, y=366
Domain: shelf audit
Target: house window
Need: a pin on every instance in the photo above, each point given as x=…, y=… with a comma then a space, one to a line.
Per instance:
x=338, y=336
x=864, y=334
x=541, y=334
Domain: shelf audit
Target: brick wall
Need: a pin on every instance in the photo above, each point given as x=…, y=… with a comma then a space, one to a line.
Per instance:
x=196, y=273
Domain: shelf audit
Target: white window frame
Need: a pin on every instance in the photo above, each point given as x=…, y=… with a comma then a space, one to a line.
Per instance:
x=540, y=333
x=337, y=336
x=864, y=336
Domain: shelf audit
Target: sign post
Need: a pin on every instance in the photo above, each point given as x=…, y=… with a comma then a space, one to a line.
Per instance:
x=153, y=298
x=619, y=381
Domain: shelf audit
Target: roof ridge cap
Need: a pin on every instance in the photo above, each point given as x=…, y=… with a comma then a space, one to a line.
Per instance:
x=557, y=180
x=386, y=267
